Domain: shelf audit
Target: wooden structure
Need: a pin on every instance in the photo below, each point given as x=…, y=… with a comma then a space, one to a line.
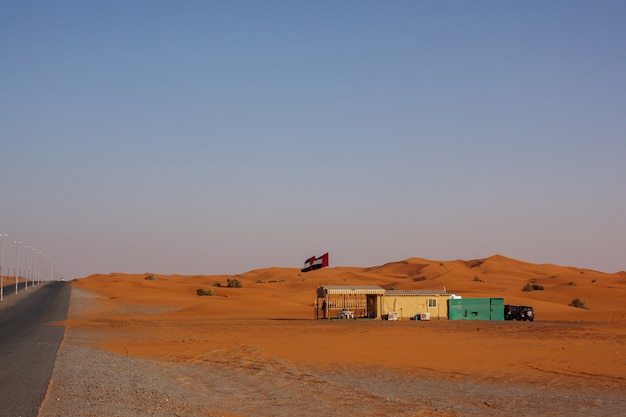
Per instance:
x=361, y=300
x=371, y=301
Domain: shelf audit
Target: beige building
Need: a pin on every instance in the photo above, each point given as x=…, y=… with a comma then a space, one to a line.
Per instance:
x=371, y=301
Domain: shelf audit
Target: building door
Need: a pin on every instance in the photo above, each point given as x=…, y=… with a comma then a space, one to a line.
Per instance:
x=371, y=307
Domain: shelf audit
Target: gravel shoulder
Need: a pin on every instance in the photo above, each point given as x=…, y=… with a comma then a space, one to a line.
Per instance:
x=92, y=382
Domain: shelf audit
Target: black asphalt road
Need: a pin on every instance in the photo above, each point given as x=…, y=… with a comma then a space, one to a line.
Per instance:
x=29, y=341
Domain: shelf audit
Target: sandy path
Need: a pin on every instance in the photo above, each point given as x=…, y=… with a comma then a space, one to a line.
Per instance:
x=231, y=376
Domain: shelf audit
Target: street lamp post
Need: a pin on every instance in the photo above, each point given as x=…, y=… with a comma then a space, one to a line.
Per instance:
x=17, y=265
x=42, y=277
x=32, y=271
x=36, y=277
x=42, y=267
x=2, y=236
x=32, y=267
x=26, y=247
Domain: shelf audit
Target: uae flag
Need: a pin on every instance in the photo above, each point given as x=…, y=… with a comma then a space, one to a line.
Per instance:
x=313, y=263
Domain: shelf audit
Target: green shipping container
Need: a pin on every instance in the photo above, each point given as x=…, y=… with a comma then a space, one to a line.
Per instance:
x=476, y=309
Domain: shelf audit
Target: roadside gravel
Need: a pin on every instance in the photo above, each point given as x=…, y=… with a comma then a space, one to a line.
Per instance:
x=91, y=382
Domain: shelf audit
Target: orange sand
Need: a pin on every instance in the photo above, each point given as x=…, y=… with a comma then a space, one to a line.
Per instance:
x=271, y=318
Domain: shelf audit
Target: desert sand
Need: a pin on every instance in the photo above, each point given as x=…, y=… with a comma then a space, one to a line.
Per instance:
x=566, y=350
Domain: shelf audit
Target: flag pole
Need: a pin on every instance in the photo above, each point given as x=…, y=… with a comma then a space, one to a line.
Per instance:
x=327, y=279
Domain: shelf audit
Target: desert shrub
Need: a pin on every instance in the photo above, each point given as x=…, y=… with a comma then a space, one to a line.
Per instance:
x=571, y=284
x=203, y=291
x=593, y=280
x=532, y=287
x=217, y=284
x=478, y=279
x=234, y=283
x=260, y=281
x=150, y=277
x=578, y=303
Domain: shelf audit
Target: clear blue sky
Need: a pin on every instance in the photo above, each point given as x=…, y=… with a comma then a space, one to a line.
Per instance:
x=202, y=137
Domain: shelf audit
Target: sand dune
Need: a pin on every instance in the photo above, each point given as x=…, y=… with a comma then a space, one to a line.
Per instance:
x=289, y=293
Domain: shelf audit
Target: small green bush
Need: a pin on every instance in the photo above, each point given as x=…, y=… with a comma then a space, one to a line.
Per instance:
x=203, y=291
x=578, y=303
x=150, y=277
x=571, y=284
x=532, y=287
x=234, y=283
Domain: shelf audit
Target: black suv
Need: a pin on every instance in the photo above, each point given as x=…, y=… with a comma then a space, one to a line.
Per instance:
x=518, y=313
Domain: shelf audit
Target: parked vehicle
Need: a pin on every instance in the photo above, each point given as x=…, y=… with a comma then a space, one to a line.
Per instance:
x=518, y=313
x=508, y=312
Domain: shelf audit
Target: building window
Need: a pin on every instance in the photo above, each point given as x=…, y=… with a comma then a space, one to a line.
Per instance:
x=432, y=303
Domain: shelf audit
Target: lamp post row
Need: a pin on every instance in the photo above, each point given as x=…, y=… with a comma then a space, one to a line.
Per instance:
x=37, y=273
x=2, y=236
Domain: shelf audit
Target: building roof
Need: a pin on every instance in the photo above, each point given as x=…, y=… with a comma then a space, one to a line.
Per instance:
x=352, y=289
x=396, y=293
x=375, y=290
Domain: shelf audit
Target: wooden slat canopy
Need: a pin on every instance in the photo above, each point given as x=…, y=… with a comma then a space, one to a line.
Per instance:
x=350, y=290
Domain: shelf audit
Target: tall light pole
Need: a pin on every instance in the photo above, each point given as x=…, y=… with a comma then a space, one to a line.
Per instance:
x=17, y=264
x=32, y=271
x=26, y=247
x=2, y=236
x=42, y=268
x=36, y=278
x=42, y=277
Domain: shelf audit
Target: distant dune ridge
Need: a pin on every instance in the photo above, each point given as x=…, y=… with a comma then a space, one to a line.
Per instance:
x=289, y=293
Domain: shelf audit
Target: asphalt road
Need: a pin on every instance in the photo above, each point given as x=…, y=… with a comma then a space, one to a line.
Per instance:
x=30, y=337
